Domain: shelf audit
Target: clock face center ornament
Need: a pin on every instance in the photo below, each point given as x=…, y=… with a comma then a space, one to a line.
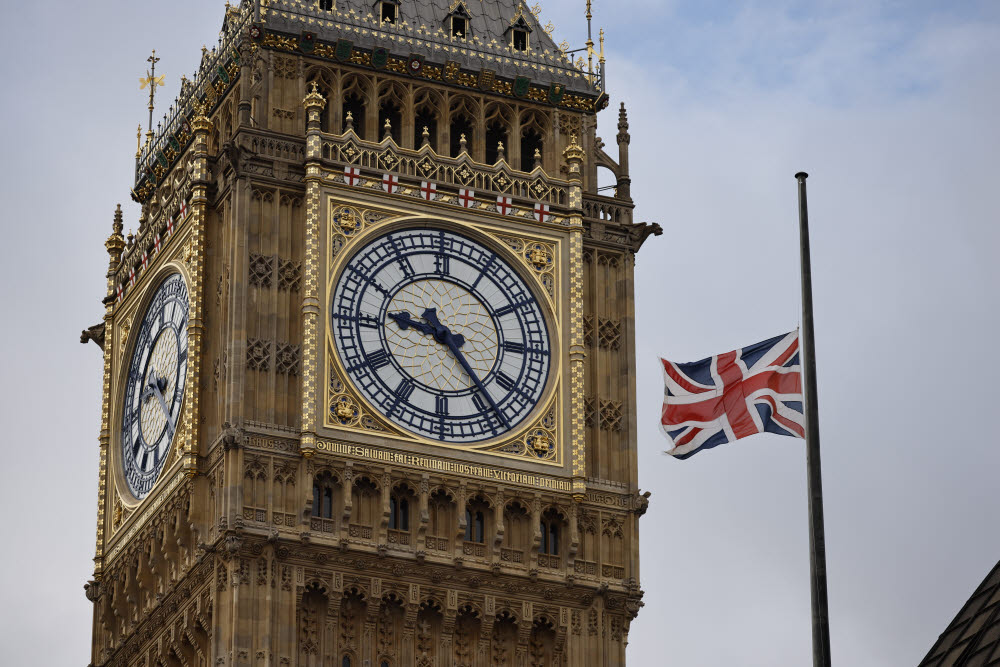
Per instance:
x=427, y=359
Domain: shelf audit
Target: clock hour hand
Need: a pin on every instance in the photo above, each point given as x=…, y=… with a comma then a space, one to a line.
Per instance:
x=432, y=327
x=404, y=321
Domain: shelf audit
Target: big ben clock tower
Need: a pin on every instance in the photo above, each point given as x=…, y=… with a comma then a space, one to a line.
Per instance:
x=369, y=394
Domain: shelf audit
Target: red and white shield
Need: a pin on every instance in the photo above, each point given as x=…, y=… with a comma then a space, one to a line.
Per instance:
x=156, y=244
x=121, y=292
x=504, y=205
x=183, y=211
x=390, y=183
x=170, y=226
x=131, y=277
x=352, y=175
x=145, y=260
x=466, y=197
x=542, y=212
x=428, y=190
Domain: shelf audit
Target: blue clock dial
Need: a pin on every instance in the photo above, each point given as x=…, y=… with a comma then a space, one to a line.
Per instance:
x=441, y=334
x=155, y=386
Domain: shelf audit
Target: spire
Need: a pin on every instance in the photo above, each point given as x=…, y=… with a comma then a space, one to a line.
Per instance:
x=623, y=191
x=623, y=135
x=115, y=244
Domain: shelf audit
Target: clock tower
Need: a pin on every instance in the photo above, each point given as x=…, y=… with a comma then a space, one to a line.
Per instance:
x=369, y=361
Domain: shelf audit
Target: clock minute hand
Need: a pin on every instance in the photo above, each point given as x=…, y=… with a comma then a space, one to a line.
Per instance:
x=454, y=342
x=155, y=387
x=475, y=378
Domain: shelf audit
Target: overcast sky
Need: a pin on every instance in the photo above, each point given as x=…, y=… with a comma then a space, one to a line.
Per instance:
x=892, y=109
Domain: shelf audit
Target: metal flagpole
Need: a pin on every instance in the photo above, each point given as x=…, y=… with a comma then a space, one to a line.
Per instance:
x=817, y=539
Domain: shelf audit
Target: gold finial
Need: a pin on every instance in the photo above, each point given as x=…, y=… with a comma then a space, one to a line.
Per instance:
x=349, y=121
x=601, y=33
x=426, y=136
x=315, y=86
x=388, y=129
x=152, y=81
x=138, y=140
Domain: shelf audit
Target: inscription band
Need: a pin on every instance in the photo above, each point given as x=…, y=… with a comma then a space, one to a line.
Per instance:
x=429, y=463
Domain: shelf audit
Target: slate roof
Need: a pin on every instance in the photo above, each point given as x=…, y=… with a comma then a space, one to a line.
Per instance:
x=422, y=29
x=973, y=637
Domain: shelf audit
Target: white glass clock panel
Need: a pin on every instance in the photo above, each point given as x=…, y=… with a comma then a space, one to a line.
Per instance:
x=441, y=334
x=154, y=387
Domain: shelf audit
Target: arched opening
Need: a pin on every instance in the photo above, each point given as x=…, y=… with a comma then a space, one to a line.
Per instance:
x=607, y=181
x=441, y=521
x=550, y=547
x=496, y=134
x=391, y=101
x=534, y=126
x=531, y=149
x=541, y=642
x=503, y=643
x=323, y=493
x=467, y=630
x=475, y=526
x=497, y=122
x=463, y=118
x=354, y=96
x=364, y=501
x=516, y=533
x=461, y=127
x=389, y=111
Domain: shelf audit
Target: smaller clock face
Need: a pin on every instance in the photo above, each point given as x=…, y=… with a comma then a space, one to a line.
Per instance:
x=155, y=386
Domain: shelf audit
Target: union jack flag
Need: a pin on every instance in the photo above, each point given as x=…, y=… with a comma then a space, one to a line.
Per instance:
x=752, y=390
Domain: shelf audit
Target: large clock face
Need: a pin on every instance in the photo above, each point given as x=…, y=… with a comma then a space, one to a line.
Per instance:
x=155, y=386
x=441, y=335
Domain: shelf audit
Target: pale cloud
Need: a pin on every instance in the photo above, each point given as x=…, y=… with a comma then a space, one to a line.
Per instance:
x=890, y=106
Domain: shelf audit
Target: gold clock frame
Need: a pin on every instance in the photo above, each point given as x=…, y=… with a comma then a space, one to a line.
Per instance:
x=128, y=315
x=546, y=419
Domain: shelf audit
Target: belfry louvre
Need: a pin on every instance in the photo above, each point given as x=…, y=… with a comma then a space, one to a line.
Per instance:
x=369, y=359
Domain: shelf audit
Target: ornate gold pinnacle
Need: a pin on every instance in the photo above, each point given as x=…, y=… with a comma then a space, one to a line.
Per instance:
x=314, y=100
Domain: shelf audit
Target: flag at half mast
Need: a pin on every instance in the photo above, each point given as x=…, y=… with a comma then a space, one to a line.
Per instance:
x=756, y=389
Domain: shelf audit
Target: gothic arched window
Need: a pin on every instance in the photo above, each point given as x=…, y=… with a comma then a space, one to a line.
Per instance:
x=399, y=512
x=549, y=527
x=323, y=497
x=475, y=526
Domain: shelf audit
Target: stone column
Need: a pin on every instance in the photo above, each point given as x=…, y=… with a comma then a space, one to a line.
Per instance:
x=573, y=155
x=314, y=104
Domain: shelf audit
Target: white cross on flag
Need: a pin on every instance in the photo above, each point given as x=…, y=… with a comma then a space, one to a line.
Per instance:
x=390, y=183
x=541, y=212
x=466, y=197
x=156, y=244
x=428, y=190
x=504, y=205
x=352, y=175
x=183, y=211
x=131, y=277
x=145, y=259
x=170, y=226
